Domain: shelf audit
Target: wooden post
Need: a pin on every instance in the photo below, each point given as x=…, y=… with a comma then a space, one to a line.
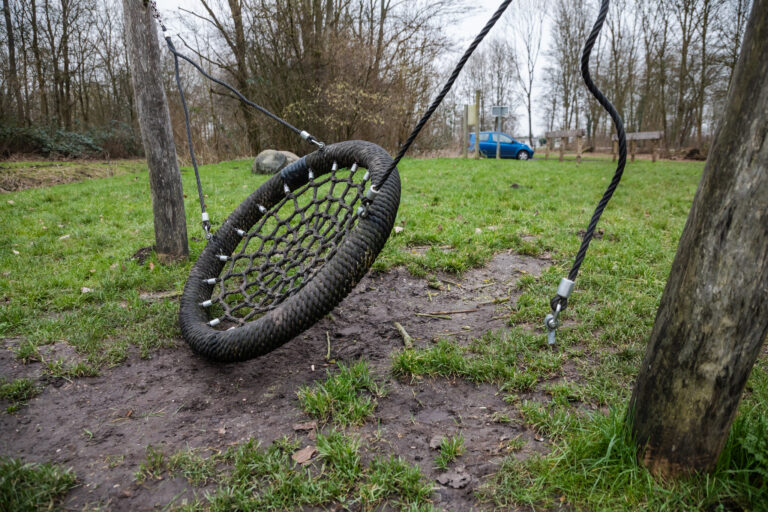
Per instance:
x=477, y=124
x=562, y=147
x=156, y=133
x=549, y=148
x=633, y=148
x=578, y=149
x=713, y=315
x=655, y=150
x=615, y=146
x=465, y=132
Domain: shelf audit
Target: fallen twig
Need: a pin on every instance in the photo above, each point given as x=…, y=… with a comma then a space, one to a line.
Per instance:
x=497, y=300
x=431, y=315
x=407, y=339
x=458, y=312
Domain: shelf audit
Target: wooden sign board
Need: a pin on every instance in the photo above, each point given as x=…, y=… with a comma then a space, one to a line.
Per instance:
x=499, y=111
x=642, y=136
x=472, y=118
x=566, y=133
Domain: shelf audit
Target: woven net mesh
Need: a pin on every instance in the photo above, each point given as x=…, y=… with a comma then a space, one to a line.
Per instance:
x=287, y=246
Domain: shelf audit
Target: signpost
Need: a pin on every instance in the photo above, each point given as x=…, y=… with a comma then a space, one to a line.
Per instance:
x=498, y=112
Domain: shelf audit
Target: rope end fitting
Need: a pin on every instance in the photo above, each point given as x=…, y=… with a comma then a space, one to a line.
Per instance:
x=362, y=211
x=311, y=139
x=558, y=303
x=206, y=225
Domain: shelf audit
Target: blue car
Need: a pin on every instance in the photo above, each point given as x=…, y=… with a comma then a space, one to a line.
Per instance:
x=508, y=147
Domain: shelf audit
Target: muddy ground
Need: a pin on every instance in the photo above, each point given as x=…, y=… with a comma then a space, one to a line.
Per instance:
x=101, y=426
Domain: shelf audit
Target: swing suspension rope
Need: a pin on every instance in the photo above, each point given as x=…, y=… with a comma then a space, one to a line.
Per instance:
x=560, y=301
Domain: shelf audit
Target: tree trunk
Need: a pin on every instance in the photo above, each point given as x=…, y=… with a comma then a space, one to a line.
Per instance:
x=13, y=76
x=713, y=315
x=156, y=132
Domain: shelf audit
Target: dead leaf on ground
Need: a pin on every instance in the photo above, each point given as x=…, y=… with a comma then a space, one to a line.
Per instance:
x=304, y=455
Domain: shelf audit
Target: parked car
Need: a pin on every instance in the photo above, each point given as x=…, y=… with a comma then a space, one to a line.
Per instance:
x=508, y=147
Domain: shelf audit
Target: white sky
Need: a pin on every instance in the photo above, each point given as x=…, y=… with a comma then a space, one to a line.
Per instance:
x=463, y=32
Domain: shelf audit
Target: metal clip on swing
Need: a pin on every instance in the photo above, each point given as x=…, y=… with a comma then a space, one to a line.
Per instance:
x=362, y=211
x=552, y=320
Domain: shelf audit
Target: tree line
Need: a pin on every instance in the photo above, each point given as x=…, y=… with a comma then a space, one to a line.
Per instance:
x=344, y=69
x=665, y=66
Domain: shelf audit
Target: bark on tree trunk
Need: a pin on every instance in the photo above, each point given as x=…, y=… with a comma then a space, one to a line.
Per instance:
x=156, y=133
x=713, y=316
x=13, y=76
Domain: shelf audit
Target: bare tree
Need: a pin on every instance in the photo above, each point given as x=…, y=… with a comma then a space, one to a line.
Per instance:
x=13, y=77
x=528, y=25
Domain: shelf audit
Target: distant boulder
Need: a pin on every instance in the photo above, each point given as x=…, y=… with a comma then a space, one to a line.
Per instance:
x=271, y=161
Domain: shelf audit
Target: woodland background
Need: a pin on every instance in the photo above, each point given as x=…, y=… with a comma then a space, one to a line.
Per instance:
x=345, y=69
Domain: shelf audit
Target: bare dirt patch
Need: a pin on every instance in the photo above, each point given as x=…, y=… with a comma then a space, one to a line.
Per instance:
x=102, y=426
x=21, y=176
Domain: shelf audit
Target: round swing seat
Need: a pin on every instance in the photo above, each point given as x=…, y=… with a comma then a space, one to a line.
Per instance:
x=289, y=253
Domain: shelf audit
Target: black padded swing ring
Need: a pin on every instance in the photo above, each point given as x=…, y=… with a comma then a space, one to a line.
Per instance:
x=310, y=247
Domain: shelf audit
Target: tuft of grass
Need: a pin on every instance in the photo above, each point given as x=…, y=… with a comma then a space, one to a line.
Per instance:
x=27, y=486
x=512, y=359
x=256, y=478
x=197, y=469
x=450, y=448
x=59, y=368
x=18, y=392
x=345, y=398
x=153, y=467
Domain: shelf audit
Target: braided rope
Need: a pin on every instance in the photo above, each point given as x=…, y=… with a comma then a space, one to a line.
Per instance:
x=617, y=121
x=446, y=88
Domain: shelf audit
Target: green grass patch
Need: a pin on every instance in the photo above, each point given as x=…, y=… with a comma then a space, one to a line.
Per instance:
x=27, y=486
x=252, y=478
x=450, y=449
x=512, y=359
x=18, y=392
x=344, y=398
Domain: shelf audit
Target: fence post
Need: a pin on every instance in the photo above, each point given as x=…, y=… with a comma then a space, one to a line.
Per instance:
x=465, y=131
x=578, y=149
x=477, y=124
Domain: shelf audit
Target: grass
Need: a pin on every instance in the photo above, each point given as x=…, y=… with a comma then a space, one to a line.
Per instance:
x=346, y=398
x=28, y=487
x=18, y=392
x=252, y=478
x=61, y=240
x=450, y=448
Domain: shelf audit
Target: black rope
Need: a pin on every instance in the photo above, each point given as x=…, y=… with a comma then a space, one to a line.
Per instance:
x=206, y=223
x=237, y=93
x=617, y=121
x=447, y=87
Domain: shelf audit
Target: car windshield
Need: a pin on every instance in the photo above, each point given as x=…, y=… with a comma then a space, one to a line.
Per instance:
x=483, y=137
x=505, y=138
